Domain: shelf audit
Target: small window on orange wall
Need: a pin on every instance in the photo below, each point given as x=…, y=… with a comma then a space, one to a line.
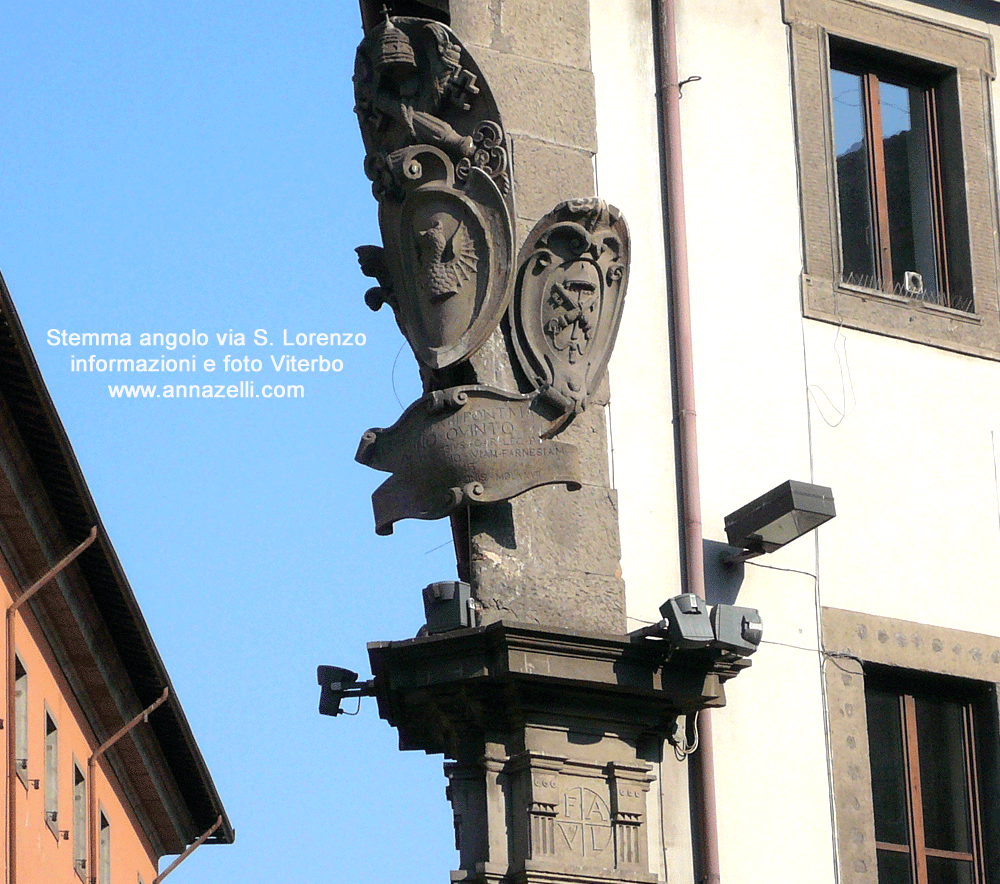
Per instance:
x=79, y=821
x=51, y=773
x=104, y=851
x=20, y=719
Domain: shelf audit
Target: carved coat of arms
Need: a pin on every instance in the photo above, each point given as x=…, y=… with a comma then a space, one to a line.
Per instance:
x=437, y=157
x=568, y=300
x=439, y=164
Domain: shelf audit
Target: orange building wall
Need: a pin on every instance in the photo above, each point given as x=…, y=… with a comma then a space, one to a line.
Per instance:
x=43, y=857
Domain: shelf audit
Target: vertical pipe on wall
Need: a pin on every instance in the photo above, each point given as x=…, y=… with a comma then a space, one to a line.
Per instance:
x=11, y=750
x=703, y=761
x=92, y=823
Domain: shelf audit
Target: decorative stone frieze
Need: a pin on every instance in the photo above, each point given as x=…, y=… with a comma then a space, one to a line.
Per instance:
x=439, y=164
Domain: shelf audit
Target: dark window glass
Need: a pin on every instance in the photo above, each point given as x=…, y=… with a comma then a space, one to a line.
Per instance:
x=924, y=790
x=906, y=150
x=943, y=774
x=948, y=871
x=889, y=774
x=893, y=868
x=897, y=192
x=852, y=179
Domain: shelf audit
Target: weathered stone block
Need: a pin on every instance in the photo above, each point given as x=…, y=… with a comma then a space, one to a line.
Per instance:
x=548, y=173
x=589, y=433
x=558, y=33
x=553, y=560
x=475, y=21
x=544, y=101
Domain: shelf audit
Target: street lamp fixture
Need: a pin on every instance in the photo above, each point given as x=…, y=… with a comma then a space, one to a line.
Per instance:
x=778, y=517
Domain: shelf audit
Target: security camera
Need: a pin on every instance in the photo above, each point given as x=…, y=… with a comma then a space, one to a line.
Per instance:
x=336, y=683
x=689, y=624
x=448, y=605
x=738, y=630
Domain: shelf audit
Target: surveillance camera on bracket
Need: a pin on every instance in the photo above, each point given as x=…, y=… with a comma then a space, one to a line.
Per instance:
x=689, y=624
x=336, y=683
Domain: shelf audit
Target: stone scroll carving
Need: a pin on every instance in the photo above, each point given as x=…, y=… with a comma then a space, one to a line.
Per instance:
x=569, y=298
x=462, y=445
x=438, y=160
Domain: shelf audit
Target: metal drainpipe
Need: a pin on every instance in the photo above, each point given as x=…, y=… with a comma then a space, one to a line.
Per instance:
x=703, y=761
x=11, y=714
x=191, y=849
x=92, y=780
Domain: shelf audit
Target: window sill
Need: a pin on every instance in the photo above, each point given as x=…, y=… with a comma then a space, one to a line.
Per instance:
x=910, y=319
x=908, y=303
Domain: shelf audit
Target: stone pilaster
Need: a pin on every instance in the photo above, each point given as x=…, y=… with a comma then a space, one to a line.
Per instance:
x=553, y=736
x=549, y=556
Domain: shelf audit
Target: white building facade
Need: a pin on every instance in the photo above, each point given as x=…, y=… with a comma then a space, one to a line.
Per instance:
x=844, y=322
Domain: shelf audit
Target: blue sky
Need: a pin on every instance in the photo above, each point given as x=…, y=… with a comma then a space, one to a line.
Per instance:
x=197, y=166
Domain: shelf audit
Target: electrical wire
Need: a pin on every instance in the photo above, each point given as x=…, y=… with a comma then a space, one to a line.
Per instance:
x=355, y=712
x=392, y=375
x=817, y=598
x=690, y=743
x=846, y=384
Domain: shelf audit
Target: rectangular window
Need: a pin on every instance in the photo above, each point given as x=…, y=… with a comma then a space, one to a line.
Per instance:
x=20, y=719
x=897, y=175
x=104, y=851
x=898, y=180
x=79, y=820
x=51, y=773
x=925, y=780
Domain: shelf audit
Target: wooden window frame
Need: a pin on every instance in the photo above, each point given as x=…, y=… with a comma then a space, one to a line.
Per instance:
x=874, y=72
x=857, y=647
x=905, y=689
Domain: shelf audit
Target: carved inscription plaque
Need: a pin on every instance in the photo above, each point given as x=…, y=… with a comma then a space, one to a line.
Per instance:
x=471, y=444
x=584, y=825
